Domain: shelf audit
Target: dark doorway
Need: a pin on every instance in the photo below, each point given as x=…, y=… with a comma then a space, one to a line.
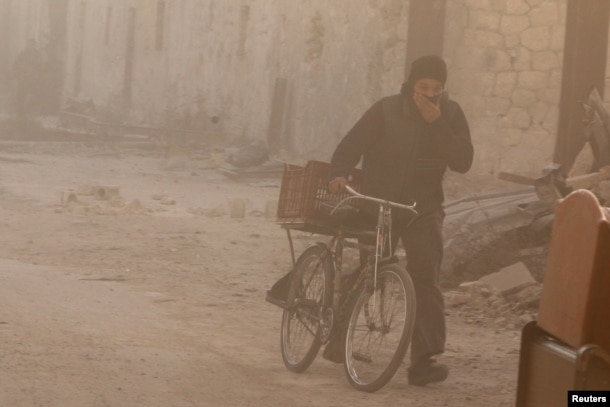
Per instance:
x=80, y=27
x=54, y=56
x=5, y=44
x=129, y=53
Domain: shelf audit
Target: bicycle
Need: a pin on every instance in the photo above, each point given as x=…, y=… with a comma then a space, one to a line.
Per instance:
x=372, y=310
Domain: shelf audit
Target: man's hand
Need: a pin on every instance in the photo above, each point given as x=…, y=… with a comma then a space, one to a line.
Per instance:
x=429, y=110
x=337, y=185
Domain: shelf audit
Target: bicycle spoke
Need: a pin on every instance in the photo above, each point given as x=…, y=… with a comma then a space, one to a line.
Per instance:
x=310, y=292
x=379, y=331
x=306, y=325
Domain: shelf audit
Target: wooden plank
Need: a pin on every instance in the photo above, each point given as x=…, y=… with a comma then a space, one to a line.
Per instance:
x=516, y=178
x=589, y=181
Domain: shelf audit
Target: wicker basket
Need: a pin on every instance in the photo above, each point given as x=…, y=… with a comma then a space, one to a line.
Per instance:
x=302, y=193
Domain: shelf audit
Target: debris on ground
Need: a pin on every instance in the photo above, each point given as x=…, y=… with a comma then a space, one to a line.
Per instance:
x=88, y=198
x=486, y=232
x=492, y=230
x=250, y=155
x=493, y=302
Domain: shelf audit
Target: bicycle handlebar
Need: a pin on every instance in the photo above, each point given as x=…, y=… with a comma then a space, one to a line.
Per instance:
x=409, y=208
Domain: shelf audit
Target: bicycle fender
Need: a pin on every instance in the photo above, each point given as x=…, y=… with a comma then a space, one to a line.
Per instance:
x=389, y=260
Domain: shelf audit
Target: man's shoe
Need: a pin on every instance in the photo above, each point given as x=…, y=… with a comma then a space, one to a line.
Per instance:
x=334, y=351
x=427, y=372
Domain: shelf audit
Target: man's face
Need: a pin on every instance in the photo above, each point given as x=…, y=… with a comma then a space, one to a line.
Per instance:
x=430, y=88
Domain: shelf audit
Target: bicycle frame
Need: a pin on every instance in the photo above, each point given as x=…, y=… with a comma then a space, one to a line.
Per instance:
x=383, y=241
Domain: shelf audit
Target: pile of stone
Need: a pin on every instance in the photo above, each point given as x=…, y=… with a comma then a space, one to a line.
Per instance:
x=99, y=200
x=507, y=299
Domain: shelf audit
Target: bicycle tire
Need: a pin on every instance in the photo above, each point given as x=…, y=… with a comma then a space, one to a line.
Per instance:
x=378, y=334
x=312, y=280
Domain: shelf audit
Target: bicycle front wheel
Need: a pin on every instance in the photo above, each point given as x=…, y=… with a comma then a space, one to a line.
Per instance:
x=310, y=293
x=380, y=329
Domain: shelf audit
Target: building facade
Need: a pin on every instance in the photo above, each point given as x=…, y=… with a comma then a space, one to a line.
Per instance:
x=298, y=74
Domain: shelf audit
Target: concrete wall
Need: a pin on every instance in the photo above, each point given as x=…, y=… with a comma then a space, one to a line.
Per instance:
x=221, y=59
x=19, y=21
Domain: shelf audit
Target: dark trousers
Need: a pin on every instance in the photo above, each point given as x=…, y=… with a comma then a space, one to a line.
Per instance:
x=423, y=244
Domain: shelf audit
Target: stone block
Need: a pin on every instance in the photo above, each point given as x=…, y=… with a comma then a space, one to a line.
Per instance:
x=483, y=19
x=271, y=208
x=522, y=60
x=523, y=97
x=546, y=14
x=536, y=38
x=512, y=25
x=510, y=279
x=516, y=118
x=505, y=84
x=237, y=208
x=546, y=61
x=517, y=7
x=87, y=190
x=533, y=80
x=538, y=112
x=68, y=197
x=105, y=192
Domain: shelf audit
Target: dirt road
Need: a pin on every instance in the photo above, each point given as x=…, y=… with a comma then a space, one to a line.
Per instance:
x=156, y=297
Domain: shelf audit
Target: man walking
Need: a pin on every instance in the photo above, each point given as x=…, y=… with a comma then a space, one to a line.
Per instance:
x=406, y=142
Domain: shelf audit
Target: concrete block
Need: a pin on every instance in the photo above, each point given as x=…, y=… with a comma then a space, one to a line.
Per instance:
x=106, y=192
x=455, y=298
x=510, y=279
x=87, y=190
x=166, y=200
x=68, y=197
x=237, y=208
x=271, y=208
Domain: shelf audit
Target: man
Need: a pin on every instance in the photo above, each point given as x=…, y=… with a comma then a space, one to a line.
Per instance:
x=406, y=142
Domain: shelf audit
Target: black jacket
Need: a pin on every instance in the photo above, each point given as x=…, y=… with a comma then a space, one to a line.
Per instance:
x=403, y=157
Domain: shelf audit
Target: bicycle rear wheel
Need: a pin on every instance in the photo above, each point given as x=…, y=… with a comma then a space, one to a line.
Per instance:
x=310, y=292
x=380, y=329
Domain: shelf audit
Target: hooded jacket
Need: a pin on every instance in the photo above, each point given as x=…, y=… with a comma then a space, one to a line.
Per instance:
x=404, y=158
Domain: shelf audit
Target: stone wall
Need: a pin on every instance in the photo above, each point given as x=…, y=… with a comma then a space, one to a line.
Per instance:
x=212, y=66
x=506, y=59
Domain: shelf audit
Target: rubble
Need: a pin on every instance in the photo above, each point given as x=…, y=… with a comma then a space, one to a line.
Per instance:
x=489, y=231
x=480, y=303
x=210, y=213
x=510, y=279
x=115, y=204
x=252, y=154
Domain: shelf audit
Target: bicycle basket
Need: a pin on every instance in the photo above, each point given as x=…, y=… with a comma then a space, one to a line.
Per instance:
x=302, y=193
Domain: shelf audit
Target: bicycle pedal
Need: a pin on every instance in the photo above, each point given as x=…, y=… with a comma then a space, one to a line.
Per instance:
x=275, y=301
x=362, y=357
